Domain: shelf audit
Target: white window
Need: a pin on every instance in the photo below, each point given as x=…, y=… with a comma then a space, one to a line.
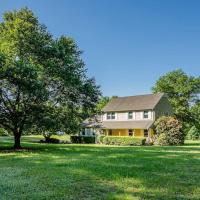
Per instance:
x=145, y=114
x=111, y=115
x=130, y=115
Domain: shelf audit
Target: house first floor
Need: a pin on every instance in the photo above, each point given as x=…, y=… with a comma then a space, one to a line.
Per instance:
x=123, y=128
x=133, y=132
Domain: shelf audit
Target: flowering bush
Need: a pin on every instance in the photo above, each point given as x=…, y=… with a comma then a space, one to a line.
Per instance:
x=169, y=131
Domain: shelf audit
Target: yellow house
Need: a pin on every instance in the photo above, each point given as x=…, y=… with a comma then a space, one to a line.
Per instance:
x=129, y=116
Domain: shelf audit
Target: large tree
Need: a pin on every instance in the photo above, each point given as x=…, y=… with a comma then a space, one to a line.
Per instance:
x=43, y=81
x=195, y=112
x=182, y=90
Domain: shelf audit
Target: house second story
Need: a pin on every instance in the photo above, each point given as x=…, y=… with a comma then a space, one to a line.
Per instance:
x=136, y=108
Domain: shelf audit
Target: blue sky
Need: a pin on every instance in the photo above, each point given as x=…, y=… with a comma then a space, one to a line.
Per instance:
x=127, y=44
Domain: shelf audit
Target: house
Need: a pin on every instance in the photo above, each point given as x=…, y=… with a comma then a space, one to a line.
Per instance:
x=129, y=116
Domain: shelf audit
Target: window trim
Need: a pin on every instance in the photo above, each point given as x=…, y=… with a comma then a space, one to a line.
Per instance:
x=130, y=112
x=130, y=132
x=144, y=114
x=110, y=116
x=147, y=133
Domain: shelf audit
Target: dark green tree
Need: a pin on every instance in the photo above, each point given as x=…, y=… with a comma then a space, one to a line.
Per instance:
x=195, y=113
x=182, y=91
x=193, y=133
x=43, y=81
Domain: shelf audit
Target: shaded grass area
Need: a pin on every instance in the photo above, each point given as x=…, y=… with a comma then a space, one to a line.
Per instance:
x=51, y=171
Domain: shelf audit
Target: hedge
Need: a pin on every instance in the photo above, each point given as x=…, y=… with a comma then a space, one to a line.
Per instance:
x=101, y=138
x=124, y=140
x=82, y=139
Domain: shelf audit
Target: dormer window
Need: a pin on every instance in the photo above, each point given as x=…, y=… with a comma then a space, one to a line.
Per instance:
x=130, y=115
x=145, y=114
x=111, y=115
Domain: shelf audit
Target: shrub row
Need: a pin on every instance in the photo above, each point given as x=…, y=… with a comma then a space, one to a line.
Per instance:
x=101, y=138
x=124, y=140
x=54, y=141
x=82, y=139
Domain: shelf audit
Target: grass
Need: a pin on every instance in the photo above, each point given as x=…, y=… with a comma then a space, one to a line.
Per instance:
x=74, y=172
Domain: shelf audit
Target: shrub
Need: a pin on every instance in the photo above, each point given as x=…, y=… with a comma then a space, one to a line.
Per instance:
x=55, y=141
x=162, y=140
x=125, y=140
x=193, y=133
x=101, y=138
x=82, y=139
x=51, y=140
x=76, y=139
x=168, y=131
x=89, y=139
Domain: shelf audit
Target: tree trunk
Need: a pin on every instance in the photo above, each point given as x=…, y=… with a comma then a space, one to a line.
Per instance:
x=17, y=137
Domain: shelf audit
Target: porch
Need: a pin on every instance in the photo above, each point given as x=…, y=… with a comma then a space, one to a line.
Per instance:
x=129, y=132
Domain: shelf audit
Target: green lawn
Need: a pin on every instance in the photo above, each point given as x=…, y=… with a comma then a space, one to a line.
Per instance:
x=99, y=172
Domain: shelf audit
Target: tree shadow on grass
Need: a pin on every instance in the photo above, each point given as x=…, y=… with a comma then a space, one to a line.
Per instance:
x=91, y=172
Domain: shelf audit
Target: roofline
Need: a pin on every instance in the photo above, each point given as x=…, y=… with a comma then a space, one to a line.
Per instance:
x=161, y=93
x=129, y=110
x=141, y=95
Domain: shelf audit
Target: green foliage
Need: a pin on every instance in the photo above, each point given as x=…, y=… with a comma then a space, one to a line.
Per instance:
x=101, y=138
x=124, y=140
x=195, y=112
x=89, y=139
x=193, y=133
x=51, y=140
x=168, y=131
x=3, y=132
x=43, y=81
x=182, y=90
x=83, y=139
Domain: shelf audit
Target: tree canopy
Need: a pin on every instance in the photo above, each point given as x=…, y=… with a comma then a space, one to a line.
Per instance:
x=43, y=81
x=183, y=91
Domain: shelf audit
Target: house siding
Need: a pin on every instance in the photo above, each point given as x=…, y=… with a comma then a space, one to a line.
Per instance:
x=123, y=116
x=125, y=132
x=163, y=108
x=121, y=124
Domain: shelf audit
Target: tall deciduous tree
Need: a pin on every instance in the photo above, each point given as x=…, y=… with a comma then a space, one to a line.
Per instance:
x=195, y=112
x=182, y=91
x=43, y=81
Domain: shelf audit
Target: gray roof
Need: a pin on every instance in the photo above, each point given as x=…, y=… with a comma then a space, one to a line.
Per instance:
x=144, y=124
x=140, y=124
x=140, y=102
x=94, y=122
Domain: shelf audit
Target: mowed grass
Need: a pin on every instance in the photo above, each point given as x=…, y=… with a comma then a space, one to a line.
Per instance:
x=99, y=172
